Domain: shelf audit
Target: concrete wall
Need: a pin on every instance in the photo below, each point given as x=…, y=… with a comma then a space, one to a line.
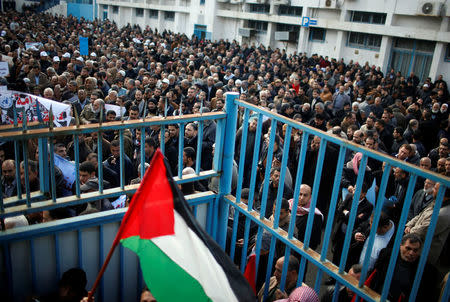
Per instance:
x=326, y=48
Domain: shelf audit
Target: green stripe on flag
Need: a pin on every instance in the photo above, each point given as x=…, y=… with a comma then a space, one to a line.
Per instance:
x=166, y=280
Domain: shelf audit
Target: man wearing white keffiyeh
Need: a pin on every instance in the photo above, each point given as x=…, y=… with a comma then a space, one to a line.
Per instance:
x=304, y=202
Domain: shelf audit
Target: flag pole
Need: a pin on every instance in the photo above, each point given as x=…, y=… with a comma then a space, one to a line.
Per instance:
x=117, y=238
x=102, y=270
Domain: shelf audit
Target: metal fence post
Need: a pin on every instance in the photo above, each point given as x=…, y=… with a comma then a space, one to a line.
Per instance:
x=43, y=165
x=227, y=165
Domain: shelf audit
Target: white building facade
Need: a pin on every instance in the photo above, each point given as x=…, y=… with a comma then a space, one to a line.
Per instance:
x=407, y=35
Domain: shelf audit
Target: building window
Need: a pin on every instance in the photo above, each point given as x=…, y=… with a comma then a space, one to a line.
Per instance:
x=139, y=12
x=258, y=25
x=363, y=40
x=293, y=31
x=367, y=17
x=447, y=53
x=169, y=16
x=115, y=9
x=317, y=34
x=202, y=2
x=287, y=10
x=287, y=27
x=105, y=7
x=153, y=14
x=259, y=8
x=80, y=1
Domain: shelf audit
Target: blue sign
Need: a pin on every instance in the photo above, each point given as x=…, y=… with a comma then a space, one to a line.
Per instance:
x=307, y=21
x=84, y=46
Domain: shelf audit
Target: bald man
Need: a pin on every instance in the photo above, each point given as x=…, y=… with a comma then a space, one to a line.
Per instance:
x=9, y=184
x=425, y=164
x=303, y=208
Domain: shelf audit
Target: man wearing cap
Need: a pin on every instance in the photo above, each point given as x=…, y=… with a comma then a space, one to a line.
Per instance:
x=425, y=94
x=56, y=64
x=164, y=86
x=65, y=59
x=78, y=63
x=44, y=62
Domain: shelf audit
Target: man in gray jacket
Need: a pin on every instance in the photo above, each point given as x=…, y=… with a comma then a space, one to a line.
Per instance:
x=421, y=199
x=419, y=225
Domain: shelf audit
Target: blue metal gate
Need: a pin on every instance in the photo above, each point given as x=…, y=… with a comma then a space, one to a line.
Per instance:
x=81, y=241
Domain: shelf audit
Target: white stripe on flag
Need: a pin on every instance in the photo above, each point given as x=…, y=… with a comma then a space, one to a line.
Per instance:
x=191, y=254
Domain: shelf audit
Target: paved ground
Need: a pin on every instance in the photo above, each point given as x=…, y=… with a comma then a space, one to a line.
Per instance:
x=311, y=274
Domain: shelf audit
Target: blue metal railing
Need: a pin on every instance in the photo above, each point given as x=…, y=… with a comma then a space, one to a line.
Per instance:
x=75, y=242
x=38, y=202
x=336, y=270
x=203, y=205
x=212, y=207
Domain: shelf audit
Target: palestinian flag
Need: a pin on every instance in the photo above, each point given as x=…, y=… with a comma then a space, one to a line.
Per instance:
x=179, y=260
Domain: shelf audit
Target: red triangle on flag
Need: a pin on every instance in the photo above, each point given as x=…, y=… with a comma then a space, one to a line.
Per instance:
x=151, y=213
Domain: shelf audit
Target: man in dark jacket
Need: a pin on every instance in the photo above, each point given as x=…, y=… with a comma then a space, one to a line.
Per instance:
x=302, y=211
x=209, y=88
x=249, y=148
x=328, y=168
x=113, y=163
x=274, y=182
x=421, y=199
x=397, y=198
x=209, y=137
x=405, y=271
x=342, y=214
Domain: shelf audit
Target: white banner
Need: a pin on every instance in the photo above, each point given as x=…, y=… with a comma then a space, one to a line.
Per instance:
x=36, y=45
x=36, y=108
x=116, y=109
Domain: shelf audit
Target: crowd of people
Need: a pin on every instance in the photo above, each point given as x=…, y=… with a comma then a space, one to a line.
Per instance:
x=151, y=74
